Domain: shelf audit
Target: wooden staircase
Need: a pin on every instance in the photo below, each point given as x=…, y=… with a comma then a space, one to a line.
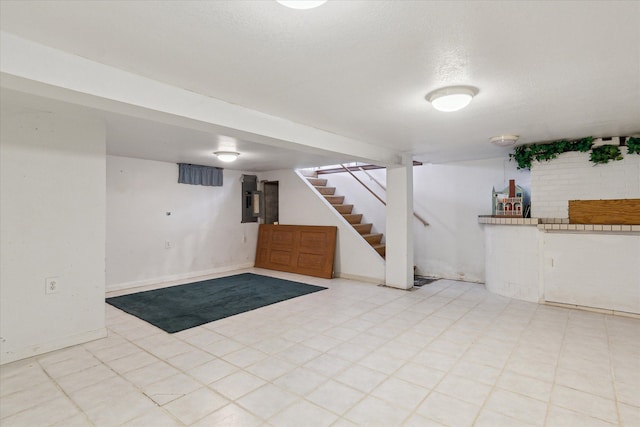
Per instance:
x=374, y=239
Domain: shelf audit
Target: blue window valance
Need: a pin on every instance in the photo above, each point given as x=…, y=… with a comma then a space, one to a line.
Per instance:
x=199, y=175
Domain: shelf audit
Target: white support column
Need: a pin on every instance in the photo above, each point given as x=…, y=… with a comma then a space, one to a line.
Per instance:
x=399, y=235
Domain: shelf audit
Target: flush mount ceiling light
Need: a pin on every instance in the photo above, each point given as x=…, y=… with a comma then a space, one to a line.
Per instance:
x=452, y=98
x=504, y=140
x=302, y=4
x=227, y=156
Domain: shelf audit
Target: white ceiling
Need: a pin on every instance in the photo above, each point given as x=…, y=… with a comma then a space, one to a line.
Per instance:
x=361, y=69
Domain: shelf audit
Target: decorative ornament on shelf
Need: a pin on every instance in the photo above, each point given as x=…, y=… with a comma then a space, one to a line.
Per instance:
x=512, y=202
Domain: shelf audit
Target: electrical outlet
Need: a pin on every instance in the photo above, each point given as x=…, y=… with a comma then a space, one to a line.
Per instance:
x=51, y=285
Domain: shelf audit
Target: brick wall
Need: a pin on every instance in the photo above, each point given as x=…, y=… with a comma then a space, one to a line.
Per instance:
x=573, y=177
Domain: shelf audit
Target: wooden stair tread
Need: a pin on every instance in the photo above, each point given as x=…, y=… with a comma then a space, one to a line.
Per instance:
x=334, y=200
x=373, y=238
x=381, y=248
x=343, y=209
x=326, y=190
x=362, y=228
x=353, y=218
x=317, y=181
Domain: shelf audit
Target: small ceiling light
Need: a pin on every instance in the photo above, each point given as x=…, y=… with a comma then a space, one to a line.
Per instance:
x=452, y=98
x=302, y=4
x=227, y=156
x=504, y=140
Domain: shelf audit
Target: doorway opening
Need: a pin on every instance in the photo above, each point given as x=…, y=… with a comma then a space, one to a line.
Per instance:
x=270, y=191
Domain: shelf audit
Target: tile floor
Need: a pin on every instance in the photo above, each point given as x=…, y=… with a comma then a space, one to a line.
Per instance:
x=449, y=353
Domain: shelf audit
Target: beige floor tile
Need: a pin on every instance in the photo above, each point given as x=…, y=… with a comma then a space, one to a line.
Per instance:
x=79, y=420
x=47, y=413
x=190, y=359
x=327, y=365
x=245, y=357
x=20, y=377
x=527, y=386
x=271, y=368
x=230, y=416
x=353, y=355
x=464, y=389
x=375, y=412
x=212, y=371
x=300, y=381
x=585, y=403
x=448, y=410
x=361, y=378
x=171, y=388
x=237, y=384
x=299, y=354
x=85, y=378
x=196, y=405
x=494, y=419
x=97, y=394
x=400, y=393
x=419, y=421
x=266, y=401
x=132, y=362
x=629, y=415
x=381, y=362
x=150, y=374
x=157, y=417
x=16, y=402
x=335, y=397
x=435, y=360
x=302, y=414
x=349, y=351
x=517, y=406
x=116, y=411
x=561, y=417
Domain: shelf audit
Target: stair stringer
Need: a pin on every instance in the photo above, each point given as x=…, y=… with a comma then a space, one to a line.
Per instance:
x=355, y=258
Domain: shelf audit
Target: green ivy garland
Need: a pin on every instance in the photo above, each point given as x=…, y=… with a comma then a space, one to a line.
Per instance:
x=524, y=155
x=604, y=153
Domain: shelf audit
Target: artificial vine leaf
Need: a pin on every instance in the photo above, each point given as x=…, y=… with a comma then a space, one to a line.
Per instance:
x=605, y=153
x=633, y=145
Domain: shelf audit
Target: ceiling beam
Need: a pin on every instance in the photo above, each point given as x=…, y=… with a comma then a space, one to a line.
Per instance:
x=37, y=69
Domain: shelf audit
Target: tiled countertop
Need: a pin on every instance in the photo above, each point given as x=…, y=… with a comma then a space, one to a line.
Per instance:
x=557, y=224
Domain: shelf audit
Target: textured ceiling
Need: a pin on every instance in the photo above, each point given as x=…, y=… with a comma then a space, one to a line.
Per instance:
x=545, y=70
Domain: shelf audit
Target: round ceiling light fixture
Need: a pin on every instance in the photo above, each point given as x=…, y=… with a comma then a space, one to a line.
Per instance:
x=504, y=140
x=452, y=98
x=227, y=156
x=302, y=4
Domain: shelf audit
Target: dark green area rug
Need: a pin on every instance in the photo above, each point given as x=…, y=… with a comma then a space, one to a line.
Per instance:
x=182, y=307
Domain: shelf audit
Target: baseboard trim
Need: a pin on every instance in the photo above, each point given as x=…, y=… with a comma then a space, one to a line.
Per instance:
x=367, y=279
x=57, y=344
x=175, y=277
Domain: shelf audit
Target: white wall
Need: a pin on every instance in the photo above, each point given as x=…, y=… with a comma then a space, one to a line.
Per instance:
x=52, y=224
x=573, y=177
x=299, y=205
x=204, y=227
x=450, y=197
x=512, y=261
x=599, y=270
